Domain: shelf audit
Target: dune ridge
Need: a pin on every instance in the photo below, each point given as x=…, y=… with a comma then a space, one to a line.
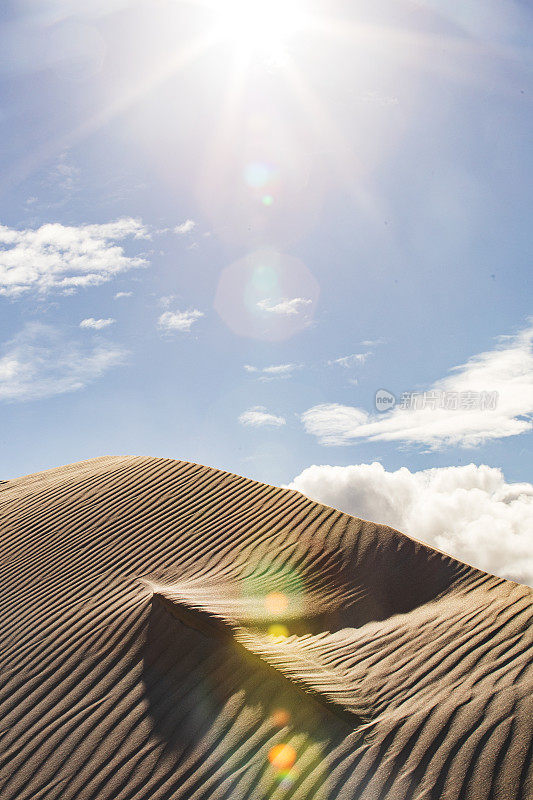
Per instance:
x=137, y=655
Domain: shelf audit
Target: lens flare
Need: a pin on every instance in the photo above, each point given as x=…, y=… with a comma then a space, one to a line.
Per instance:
x=287, y=780
x=282, y=756
x=278, y=631
x=280, y=717
x=276, y=603
x=263, y=180
x=267, y=295
x=258, y=27
x=258, y=174
x=264, y=281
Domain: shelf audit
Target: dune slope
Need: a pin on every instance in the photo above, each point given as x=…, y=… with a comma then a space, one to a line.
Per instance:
x=140, y=651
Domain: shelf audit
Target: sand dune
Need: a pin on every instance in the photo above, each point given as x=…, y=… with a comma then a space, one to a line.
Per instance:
x=141, y=656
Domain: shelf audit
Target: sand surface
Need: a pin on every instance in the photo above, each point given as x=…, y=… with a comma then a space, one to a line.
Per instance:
x=138, y=658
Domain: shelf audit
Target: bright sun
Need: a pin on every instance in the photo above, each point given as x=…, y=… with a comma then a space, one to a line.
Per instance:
x=261, y=27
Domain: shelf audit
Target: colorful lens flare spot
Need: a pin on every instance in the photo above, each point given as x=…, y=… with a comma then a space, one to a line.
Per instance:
x=257, y=174
x=278, y=631
x=282, y=757
x=267, y=295
x=280, y=717
x=287, y=781
x=263, y=282
x=276, y=603
x=267, y=200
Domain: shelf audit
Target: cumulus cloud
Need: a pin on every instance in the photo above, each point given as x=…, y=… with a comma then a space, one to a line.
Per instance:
x=272, y=372
x=489, y=397
x=97, y=324
x=471, y=511
x=259, y=417
x=65, y=257
x=286, y=307
x=181, y=321
x=41, y=362
x=185, y=227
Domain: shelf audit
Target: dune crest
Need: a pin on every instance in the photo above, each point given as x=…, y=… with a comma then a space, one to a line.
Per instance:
x=173, y=631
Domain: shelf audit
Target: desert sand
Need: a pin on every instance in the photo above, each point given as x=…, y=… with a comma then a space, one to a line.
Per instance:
x=168, y=630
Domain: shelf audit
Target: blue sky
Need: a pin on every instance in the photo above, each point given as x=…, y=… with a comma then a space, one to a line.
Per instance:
x=264, y=224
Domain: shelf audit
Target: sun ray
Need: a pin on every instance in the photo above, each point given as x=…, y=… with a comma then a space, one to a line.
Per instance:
x=258, y=28
x=439, y=53
x=168, y=69
x=347, y=167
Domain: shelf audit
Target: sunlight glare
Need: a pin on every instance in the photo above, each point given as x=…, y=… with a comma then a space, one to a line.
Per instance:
x=259, y=27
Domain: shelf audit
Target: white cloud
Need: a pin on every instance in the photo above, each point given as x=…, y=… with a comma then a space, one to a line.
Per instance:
x=334, y=424
x=259, y=417
x=167, y=300
x=119, y=295
x=185, y=227
x=349, y=361
x=506, y=373
x=97, y=324
x=63, y=257
x=285, y=307
x=65, y=173
x=280, y=369
x=41, y=362
x=273, y=371
x=179, y=320
x=470, y=512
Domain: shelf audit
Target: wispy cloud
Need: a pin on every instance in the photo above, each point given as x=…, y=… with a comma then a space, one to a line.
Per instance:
x=284, y=307
x=185, y=227
x=120, y=295
x=470, y=512
x=181, y=321
x=63, y=257
x=259, y=417
x=167, y=300
x=272, y=372
x=350, y=361
x=506, y=372
x=97, y=324
x=65, y=173
x=41, y=362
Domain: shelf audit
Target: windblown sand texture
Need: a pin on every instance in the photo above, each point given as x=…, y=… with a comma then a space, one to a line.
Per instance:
x=136, y=659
